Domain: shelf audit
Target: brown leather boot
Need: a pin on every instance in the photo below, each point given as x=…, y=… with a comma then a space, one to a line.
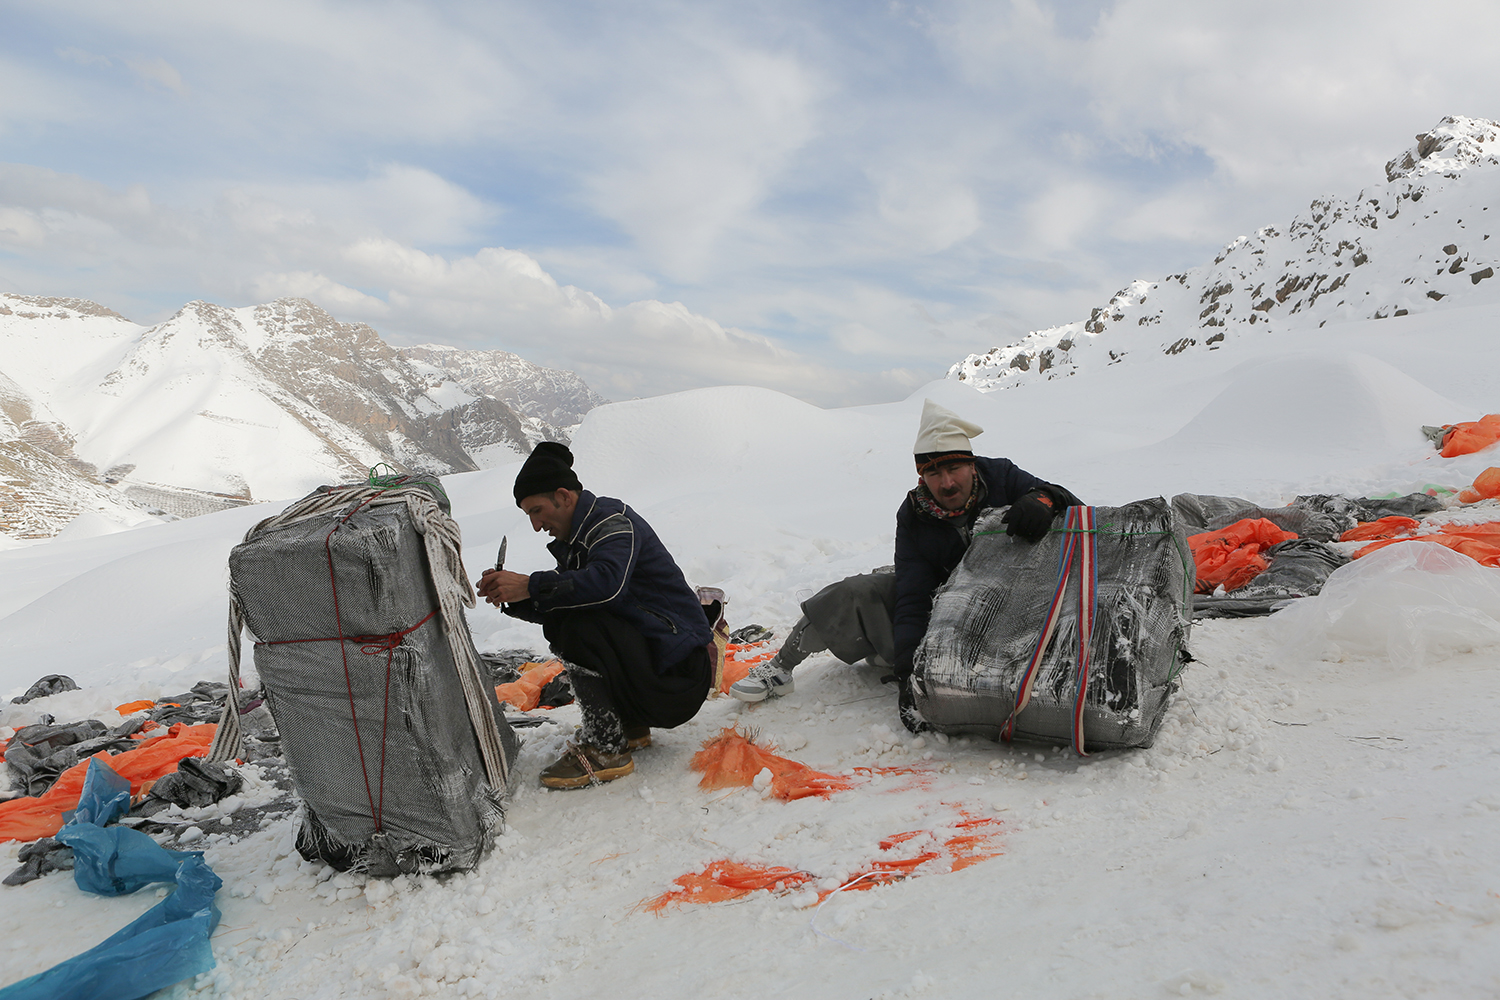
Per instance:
x=637, y=737
x=581, y=765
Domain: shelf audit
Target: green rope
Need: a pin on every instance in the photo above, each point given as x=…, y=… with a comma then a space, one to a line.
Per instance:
x=393, y=480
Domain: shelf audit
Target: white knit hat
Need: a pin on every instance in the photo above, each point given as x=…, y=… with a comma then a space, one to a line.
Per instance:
x=942, y=431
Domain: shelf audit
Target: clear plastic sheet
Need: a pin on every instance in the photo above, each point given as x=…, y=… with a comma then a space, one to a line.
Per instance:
x=1410, y=604
x=987, y=617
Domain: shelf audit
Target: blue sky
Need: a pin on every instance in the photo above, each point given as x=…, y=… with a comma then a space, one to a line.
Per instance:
x=836, y=200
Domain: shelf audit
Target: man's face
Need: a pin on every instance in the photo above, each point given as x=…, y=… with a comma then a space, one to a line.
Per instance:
x=551, y=512
x=950, y=483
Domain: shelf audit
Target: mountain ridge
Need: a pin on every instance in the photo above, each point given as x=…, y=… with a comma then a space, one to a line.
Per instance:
x=217, y=406
x=1334, y=263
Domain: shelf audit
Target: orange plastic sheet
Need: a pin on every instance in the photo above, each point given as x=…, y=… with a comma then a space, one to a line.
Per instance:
x=1386, y=527
x=1231, y=555
x=131, y=707
x=526, y=693
x=738, y=659
x=1472, y=435
x=32, y=817
x=1480, y=542
x=724, y=880
x=1486, y=486
x=732, y=760
x=976, y=839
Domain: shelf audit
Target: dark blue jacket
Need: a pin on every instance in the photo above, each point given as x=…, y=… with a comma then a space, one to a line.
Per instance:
x=929, y=549
x=612, y=560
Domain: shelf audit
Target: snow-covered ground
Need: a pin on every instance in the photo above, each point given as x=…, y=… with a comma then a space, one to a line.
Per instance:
x=1310, y=822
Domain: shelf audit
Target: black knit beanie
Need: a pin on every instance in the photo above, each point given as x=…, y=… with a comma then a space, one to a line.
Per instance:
x=549, y=467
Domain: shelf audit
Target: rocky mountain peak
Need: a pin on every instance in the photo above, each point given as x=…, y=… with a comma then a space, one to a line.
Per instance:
x=1420, y=241
x=1455, y=144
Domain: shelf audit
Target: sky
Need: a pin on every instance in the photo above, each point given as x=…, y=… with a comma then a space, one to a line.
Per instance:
x=834, y=200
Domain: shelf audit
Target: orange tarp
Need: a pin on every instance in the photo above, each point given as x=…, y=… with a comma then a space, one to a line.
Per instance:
x=131, y=707
x=525, y=694
x=1472, y=435
x=1486, y=485
x=977, y=840
x=1231, y=555
x=1480, y=542
x=32, y=817
x=1386, y=527
x=730, y=760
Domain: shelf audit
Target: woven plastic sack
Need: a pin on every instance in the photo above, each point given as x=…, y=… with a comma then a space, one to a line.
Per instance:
x=986, y=621
x=382, y=746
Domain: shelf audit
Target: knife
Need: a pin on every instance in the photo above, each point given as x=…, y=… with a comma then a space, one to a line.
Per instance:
x=500, y=558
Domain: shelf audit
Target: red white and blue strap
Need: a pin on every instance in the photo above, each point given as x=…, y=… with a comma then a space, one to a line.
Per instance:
x=1081, y=520
x=1079, y=546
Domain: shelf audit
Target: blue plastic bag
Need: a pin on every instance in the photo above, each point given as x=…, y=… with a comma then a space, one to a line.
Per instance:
x=166, y=944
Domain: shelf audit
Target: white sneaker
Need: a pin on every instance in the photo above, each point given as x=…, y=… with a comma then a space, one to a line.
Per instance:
x=765, y=680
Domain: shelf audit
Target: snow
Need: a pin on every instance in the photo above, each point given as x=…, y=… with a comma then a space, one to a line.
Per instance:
x=1315, y=819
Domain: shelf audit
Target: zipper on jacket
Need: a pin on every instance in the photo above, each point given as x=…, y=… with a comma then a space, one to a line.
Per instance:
x=658, y=615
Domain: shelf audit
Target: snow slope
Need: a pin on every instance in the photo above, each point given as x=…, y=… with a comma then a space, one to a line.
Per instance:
x=1303, y=827
x=1418, y=243
x=216, y=406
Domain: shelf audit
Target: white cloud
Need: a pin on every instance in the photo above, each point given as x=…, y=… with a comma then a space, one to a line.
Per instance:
x=159, y=72
x=822, y=198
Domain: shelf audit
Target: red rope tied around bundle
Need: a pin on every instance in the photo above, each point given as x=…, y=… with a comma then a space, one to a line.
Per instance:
x=1079, y=526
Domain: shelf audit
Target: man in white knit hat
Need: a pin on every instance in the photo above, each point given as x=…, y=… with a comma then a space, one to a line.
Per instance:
x=882, y=616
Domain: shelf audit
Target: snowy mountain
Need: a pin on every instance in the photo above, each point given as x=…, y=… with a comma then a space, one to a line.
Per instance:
x=217, y=407
x=550, y=402
x=1419, y=242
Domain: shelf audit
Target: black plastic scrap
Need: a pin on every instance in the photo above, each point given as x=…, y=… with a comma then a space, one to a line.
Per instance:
x=49, y=685
x=38, y=858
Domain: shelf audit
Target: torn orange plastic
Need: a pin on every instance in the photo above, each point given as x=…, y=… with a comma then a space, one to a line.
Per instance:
x=131, y=707
x=976, y=841
x=1231, y=555
x=1480, y=542
x=732, y=760
x=1386, y=527
x=36, y=816
x=1486, y=486
x=1472, y=435
x=724, y=880
x=526, y=693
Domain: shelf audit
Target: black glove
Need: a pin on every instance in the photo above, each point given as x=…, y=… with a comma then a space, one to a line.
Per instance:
x=1030, y=517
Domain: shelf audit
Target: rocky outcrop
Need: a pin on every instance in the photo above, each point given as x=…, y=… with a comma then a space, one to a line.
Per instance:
x=1418, y=242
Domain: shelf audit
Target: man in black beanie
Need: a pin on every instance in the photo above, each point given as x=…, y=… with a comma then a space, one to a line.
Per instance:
x=617, y=611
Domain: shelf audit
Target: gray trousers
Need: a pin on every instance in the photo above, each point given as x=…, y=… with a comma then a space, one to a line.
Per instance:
x=851, y=619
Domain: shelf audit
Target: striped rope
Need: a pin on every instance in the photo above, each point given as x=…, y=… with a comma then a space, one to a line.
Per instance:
x=1079, y=546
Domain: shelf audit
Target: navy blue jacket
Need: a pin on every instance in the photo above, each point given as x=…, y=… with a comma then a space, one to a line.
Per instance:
x=929, y=549
x=612, y=560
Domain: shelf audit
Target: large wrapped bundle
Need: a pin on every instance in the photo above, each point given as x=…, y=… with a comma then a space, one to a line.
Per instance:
x=396, y=743
x=1002, y=654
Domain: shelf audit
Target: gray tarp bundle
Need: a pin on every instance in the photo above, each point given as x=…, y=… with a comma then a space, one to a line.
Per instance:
x=1296, y=568
x=422, y=787
x=987, y=618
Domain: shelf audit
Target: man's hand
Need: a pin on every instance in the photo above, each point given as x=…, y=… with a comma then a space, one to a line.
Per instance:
x=1030, y=517
x=501, y=586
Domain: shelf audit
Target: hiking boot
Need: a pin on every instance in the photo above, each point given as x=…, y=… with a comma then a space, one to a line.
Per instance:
x=582, y=765
x=637, y=737
x=765, y=680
